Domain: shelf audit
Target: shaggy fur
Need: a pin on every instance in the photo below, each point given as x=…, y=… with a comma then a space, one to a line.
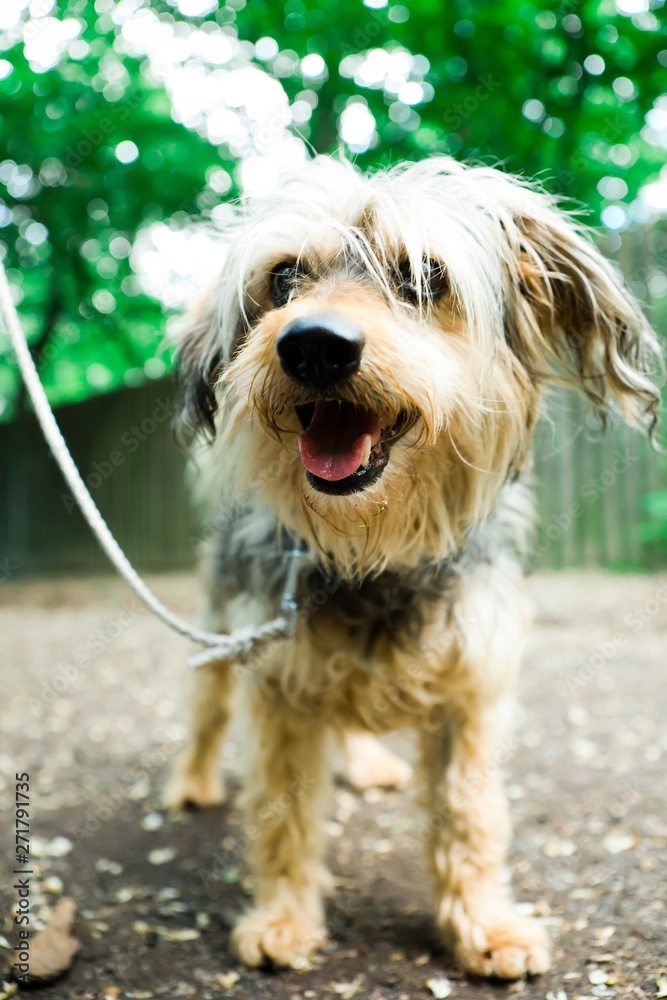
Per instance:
x=474, y=292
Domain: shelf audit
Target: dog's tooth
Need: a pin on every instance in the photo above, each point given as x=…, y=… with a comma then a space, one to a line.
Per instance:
x=366, y=456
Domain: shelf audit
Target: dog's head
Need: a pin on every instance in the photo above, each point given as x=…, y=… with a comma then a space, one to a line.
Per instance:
x=375, y=351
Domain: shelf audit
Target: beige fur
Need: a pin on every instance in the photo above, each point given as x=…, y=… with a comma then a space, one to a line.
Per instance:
x=370, y=764
x=530, y=303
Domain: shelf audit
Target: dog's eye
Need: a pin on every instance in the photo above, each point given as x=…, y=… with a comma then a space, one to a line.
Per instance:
x=283, y=282
x=434, y=282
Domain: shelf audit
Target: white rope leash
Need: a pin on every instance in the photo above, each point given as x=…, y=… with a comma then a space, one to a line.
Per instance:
x=239, y=644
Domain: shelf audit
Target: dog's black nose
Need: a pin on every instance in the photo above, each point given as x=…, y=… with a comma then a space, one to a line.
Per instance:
x=318, y=351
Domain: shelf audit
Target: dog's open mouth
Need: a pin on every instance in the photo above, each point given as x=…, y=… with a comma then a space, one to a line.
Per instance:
x=344, y=447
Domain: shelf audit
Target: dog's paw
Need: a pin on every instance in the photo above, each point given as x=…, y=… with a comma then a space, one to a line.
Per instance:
x=369, y=764
x=277, y=935
x=187, y=789
x=516, y=947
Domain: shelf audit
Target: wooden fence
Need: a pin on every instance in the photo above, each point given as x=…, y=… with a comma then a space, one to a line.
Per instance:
x=590, y=492
x=122, y=444
x=592, y=488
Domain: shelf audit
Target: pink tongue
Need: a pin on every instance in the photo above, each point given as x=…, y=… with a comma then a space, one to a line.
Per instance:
x=333, y=446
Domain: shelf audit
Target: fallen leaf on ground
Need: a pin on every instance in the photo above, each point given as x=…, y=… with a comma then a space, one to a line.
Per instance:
x=227, y=979
x=53, y=949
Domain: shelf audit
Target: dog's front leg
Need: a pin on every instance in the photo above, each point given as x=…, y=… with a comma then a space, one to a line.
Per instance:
x=467, y=834
x=286, y=799
x=196, y=777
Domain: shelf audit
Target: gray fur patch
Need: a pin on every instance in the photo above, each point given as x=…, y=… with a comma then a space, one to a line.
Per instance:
x=247, y=555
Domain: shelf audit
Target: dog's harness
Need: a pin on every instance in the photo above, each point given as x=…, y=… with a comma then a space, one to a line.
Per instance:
x=239, y=645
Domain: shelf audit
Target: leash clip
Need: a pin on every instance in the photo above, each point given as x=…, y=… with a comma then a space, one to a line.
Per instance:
x=289, y=602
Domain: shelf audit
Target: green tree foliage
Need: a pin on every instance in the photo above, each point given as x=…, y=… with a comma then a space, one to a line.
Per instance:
x=90, y=153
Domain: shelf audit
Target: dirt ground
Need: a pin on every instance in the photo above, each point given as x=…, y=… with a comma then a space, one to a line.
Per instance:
x=93, y=708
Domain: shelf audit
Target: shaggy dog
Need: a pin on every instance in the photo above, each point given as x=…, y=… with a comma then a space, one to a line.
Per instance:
x=371, y=365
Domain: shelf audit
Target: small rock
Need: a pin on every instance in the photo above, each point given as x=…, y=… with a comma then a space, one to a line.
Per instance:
x=167, y=892
x=557, y=847
x=126, y=894
x=179, y=933
x=53, y=884
x=348, y=990
x=346, y=805
x=59, y=847
x=140, y=790
x=152, y=821
x=39, y=847
x=302, y=964
x=175, y=906
x=616, y=843
x=162, y=855
x=111, y=867
x=440, y=987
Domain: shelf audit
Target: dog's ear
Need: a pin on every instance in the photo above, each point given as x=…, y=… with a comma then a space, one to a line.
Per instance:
x=199, y=363
x=569, y=312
